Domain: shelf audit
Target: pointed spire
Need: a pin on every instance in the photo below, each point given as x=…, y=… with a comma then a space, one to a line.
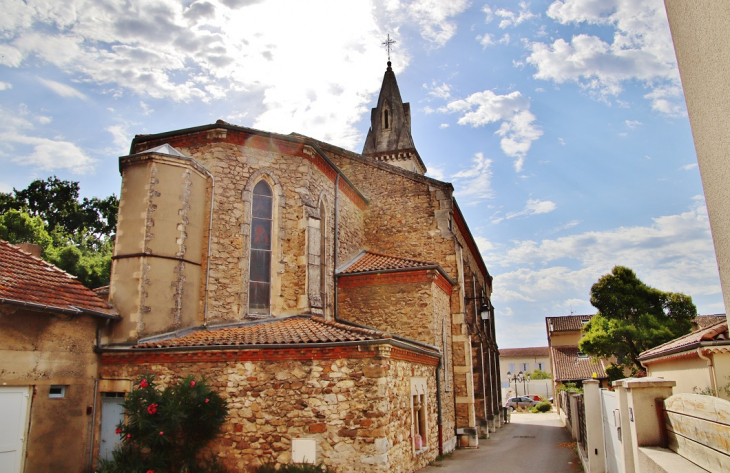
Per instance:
x=389, y=138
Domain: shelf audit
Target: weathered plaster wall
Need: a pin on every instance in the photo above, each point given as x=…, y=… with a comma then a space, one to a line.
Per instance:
x=40, y=350
x=355, y=403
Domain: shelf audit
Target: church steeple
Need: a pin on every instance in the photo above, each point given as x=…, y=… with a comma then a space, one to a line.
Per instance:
x=389, y=138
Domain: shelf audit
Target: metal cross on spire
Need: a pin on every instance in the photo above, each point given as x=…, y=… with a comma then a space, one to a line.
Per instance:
x=388, y=43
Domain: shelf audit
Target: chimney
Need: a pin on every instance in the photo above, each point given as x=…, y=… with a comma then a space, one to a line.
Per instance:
x=31, y=248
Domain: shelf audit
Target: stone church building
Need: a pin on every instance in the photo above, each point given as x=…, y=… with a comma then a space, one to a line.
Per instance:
x=337, y=300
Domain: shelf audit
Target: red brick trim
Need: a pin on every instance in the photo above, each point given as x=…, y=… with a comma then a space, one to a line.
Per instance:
x=394, y=277
x=265, y=143
x=218, y=356
x=407, y=355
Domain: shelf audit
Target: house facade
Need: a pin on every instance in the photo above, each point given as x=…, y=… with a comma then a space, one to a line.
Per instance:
x=329, y=295
x=567, y=362
x=513, y=361
x=48, y=368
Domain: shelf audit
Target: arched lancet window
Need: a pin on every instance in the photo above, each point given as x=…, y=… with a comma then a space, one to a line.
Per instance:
x=260, y=266
x=323, y=255
x=385, y=119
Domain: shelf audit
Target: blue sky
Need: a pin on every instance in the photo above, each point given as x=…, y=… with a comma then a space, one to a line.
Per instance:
x=561, y=123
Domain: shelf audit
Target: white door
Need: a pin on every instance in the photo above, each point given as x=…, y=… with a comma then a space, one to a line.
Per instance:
x=14, y=422
x=611, y=431
x=112, y=414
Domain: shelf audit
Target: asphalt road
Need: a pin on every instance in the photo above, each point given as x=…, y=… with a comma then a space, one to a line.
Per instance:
x=531, y=443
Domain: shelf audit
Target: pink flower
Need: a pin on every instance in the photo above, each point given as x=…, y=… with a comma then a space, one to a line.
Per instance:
x=152, y=409
x=192, y=383
x=162, y=433
x=143, y=383
x=129, y=436
x=150, y=471
x=118, y=431
x=206, y=401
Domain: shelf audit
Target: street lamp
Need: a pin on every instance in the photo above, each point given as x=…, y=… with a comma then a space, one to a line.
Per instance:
x=525, y=379
x=517, y=378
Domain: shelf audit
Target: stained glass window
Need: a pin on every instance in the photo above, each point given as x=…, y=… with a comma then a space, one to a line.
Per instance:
x=260, y=264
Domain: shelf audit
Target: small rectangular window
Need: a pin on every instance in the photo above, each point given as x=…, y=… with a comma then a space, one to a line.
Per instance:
x=57, y=391
x=511, y=367
x=582, y=355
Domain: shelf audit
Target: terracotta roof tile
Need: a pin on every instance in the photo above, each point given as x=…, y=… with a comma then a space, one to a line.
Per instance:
x=289, y=330
x=569, y=366
x=369, y=261
x=690, y=340
x=706, y=320
x=521, y=352
x=27, y=279
x=567, y=323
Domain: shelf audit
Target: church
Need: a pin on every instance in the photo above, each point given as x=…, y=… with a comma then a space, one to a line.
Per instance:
x=337, y=300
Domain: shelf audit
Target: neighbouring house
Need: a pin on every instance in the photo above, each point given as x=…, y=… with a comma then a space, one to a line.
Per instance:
x=698, y=362
x=513, y=361
x=567, y=362
x=337, y=300
x=48, y=368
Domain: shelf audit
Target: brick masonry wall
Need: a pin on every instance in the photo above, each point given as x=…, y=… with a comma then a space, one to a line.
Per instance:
x=358, y=409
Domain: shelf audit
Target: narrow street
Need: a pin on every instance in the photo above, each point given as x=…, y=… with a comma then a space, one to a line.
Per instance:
x=534, y=443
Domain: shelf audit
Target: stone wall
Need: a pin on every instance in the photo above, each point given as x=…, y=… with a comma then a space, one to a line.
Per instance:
x=39, y=350
x=355, y=401
x=298, y=184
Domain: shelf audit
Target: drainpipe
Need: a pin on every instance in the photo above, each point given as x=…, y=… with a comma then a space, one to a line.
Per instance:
x=711, y=367
x=93, y=425
x=438, y=408
x=336, y=238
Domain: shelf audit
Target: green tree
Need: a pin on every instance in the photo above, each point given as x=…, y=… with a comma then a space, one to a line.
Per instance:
x=633, y=317
x=167, y=430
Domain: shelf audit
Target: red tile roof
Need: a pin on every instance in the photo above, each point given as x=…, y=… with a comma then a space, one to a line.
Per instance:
x=570, y=367
x=566, y=323
x=706, y=320
x=25, y=279
x=523, y=352
x=369, y=261
x=289, y=330
x=716, y=331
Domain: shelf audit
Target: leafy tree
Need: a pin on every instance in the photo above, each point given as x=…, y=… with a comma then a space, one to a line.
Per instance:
x=540, y=374
x=167, y=430
x=77, y=236
x=633, y=317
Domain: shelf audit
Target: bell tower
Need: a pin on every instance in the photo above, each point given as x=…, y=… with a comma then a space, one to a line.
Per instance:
x=389, y=138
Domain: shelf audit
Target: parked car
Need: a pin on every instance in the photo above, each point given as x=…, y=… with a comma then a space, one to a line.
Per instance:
x=520, y=401
x=534, y=397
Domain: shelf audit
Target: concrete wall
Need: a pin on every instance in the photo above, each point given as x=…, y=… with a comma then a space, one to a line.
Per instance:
x=690, y=374
x=39, y=350
x=702, y=44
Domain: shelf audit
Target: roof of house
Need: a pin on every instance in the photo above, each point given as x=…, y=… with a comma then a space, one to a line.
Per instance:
x=715, y=332
x=571, y=367
x=704, y=321
x=523, y=352
x=369, y=261
x=276, y=331
x=567, y=323
x=31, y=282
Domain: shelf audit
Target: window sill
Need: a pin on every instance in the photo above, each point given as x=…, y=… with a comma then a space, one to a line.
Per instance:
x=421, y=451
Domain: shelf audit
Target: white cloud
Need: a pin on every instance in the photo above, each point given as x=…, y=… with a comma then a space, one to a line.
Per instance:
x=475, y=183
x=5, y=86
x=62, y=89
x=434, y=18
x=511, y=19
x=435, y=172
x=443, y=125
x=641, y=50
x=516, y=129
x=440, y=91
x=632, y=124
x=689, y=167
x=532, y=207
x=486, y=40
x=120, y=138
x=682, y=259
x=21, y=145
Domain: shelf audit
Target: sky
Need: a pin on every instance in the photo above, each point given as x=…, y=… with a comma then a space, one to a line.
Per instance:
x=561, y=123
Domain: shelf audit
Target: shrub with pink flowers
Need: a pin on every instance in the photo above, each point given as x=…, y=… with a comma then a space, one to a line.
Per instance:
x=167, y=430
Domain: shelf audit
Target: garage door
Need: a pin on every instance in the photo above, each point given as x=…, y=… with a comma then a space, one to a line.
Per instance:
x=14, y=422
